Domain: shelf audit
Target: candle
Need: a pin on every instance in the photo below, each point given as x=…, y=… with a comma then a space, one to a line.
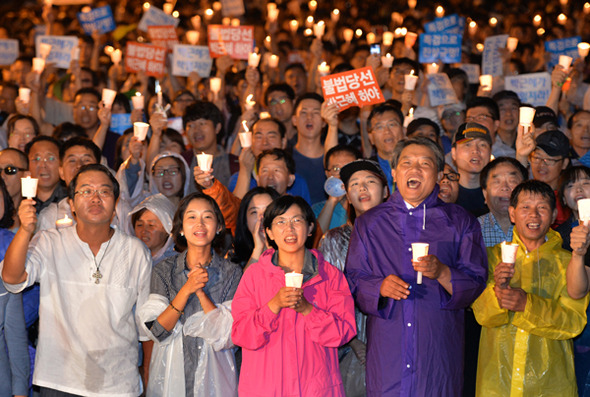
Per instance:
x=273, y=61
x=387, y=60
x=562, y=19
x=537, y=20
x=440, y=12
x=335, y=15
x=168, y=7
x=108, y=96
x=358, y=32
x=196, y=21
x=485, y=81
x=319, y=29
x=29, y=187
x=307, y=32
x=225, y=21
x=419, y=250
x=38, y=65
x=217, y=6
x=410, y=81
x=204, y=160
x=76, y=54
x=109, y=50
x=409, y=118
x=64, y=222
x=253, y=59
x=208, y=14
x=192, y=36
x=293, y=25
x=348, y=33
x=116, y=56
x=270, y=7
x=137, y=101
x=563, y=2
x=146, y=6
x=215, y=85
x=387, y=38
x=586, y=8
x=493, y=22
x=540, y=32
x=86, y=9
x=160, y=101
x=313, y=4
x=511, y=43
x=565, y=62
x=235, y=22
x=397, y=18
x=472, y=28
x=246, y=136
x=412, y=4
x=24, y=94
x=264, y=115
x=249, y=104
x=309, y=21
x=526, y=116
x=175, y=14
x=432, y=68
x=410, y=39
x=583, y=49
x=140, y=130
x=371, y=38
x=324, y=69
x=273, y=14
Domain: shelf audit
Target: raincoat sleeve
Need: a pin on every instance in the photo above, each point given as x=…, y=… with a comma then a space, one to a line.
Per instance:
x=364, y=285
x=228, y=203
x=486, y=308
x=333, y=325
x=254, y=322
x=469, y=273
x=214, y=327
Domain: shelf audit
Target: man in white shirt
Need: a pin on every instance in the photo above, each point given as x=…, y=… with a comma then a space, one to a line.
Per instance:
x=91, y=277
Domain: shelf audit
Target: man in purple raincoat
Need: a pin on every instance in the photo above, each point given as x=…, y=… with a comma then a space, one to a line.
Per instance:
x=415, y=336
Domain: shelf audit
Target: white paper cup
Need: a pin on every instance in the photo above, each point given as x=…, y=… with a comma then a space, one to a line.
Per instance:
x=387, y=61
x=419, y=250
x=108, y=97
x=410, y=39
x=527, y=114
x=584, y=210
x=253, y=59
x=565, y=61
x=38, y=65
x=137, y=101
x=29, y=187
x=410, y=82
x=509, y=252
x=116, y=56
x=387, y=38
x=273, y=61
x=245, y=139
x=293, y=279
x=583, y=49
x=192, y=37
x=140, y=130
x=205, y=161
x=24, y=94
x=511, y=43
x=431, y=68
x=485, y=81
x=215, y=84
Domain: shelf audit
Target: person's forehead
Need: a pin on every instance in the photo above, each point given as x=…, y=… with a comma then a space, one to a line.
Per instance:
x=504, y=169
x=582, y=116
x=166, y=161
x=478, y=110
x=42, y=147
x=420, y=151
x=93, y=178
x=23, y=124
x=541, y=153
x=531, y=197
x=9, y=157
x=403, y=66
x=426, y=129
x=272, y=160
x=266, y=127
x=473, y=141
x=386, y=116
x=79, y=151
x=508, y=102
x=309, y=104
x=341, y=157
x=295, y=72
x=86, y=98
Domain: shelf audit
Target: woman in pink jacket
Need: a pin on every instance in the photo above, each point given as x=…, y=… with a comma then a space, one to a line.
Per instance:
x=289, y=336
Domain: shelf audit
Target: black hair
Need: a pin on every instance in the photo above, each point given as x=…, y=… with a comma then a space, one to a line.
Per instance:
x=184, y=92
x=341, y=149
x=67, y=130
x=308, y=95
x=534, y=187
x=243, y=240
x=570, y=121
x=78, y=141
x=280, y=154
x=280, y=126
x=383, y=108
x=419, y=122
x=483, y=176
x=488, y=103
x=88, y=90
x=421, y=141
x=296, y=65
x=119, y=147
x=7, y=220
x=182, y=169
x=93, y=167
x=93, y=75
x=281, y=205
x=407, y=61
x=42, y=138
x=571, y=175
x=280, y=87
x=181, y=244
x=136, y=215
x=174, y=136
x=203, y=110
x=12, y=122
x=122, y=100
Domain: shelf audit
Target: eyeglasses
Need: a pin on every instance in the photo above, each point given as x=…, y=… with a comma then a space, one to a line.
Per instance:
x=479, y=117
x=296, y=221
x=102, y=193
x=334, y=169
x=538, y=160
x=168, y=171
x=11, y=170
x=387, y=125
x=275, y=102
x=89, y=108
x=25, y=135
x=48, y=159
x=451, y=176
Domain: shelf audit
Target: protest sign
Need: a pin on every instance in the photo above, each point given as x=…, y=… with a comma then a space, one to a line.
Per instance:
x=472, y=70
x=99, y=19
x=232, y=8
x=440, y=90
x=235, y=41
x=191, y=58
x=452, y=24
x=357, y=87
x=156, y=17
x=61, y=49
x=70, y=2
x=120, y=122
x=440, y=47
x=8, y=51
x=533, y=88
x=567, y=46
x=491, y=62
x=163, y=36
x=149, y=58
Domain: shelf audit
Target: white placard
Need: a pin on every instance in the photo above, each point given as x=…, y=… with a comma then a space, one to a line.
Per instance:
x=491, y=62
x=191, y=58
x=61, y=49
x=533, y=88
x=472, y=70
x=8, y=51
x=440, y=90
x=232, y=8
x=156, y=17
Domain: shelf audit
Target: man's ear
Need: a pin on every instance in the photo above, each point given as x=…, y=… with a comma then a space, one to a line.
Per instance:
x=217, y=128
x=511, y=213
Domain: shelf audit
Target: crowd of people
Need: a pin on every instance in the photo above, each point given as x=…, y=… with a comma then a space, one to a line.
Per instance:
x=394, y=249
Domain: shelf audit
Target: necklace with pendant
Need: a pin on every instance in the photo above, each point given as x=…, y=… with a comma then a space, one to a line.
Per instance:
x=97, y=275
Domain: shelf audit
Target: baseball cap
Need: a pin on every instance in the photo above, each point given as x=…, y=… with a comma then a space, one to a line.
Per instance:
x=544, y=114
x=554, y=143
x=362, y=165
x=469, y=131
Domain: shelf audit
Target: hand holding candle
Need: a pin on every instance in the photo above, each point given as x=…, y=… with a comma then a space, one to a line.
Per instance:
x=246, y=136
x=584, y=211
x=526, y=116
x=294, y=280
x=205, y=161
x=410, y=81
x=29, y=187
x=419, y=250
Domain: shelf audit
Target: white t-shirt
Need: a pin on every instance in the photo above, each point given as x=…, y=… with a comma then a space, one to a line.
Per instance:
x=87, y=331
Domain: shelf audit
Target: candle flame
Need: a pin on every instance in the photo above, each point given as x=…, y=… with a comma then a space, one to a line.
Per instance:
x=245, y=124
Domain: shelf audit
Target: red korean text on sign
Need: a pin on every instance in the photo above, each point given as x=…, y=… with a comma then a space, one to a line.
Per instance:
x=235, y=41
x=145, y=57
x=357, y=87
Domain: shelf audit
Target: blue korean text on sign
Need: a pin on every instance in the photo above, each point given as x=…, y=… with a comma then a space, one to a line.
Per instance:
x=533, y=88
x=120, y=122
x=452, y=24
x=440, y=47
x=156, y=17
x=8, y=51
x=567, y=46
x=61, y=49
x=440, y=90
x=191, y=58
x=491, y=62
x=99, y=19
